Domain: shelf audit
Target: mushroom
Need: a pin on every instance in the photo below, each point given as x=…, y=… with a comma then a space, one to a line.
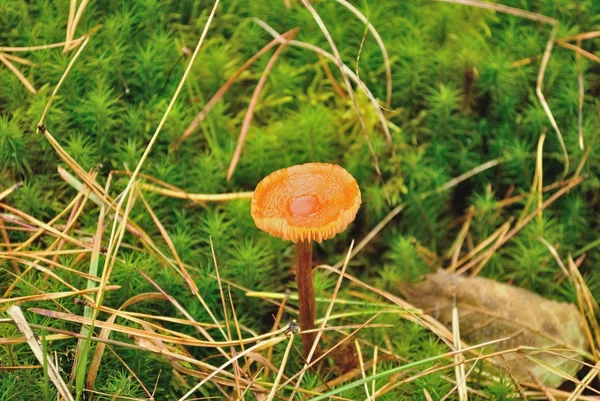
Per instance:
x=305, y=203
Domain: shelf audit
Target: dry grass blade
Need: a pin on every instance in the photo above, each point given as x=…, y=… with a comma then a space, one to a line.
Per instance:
x=226, y=316
x=525, y=61
x=199, y=198
x=455, y=181
x=459, y=369
x=182, y=270
x=341, y=379
x=538, y=179
x=18, y=73
x=13, y=49
x=581, y=36
x=544, y=389
x=330, y=350
x=390, y=216
x=72, y=10
x=373, y=233
x=257, y=347
x=591, y=375
x=105, y=333
x=488, y=255
x=223, y=89
x=587, y=305
x=505, y=10
x=118, y=230
x=19, y=60
x=545, y=58
x=54, y=295
x=390, y=385
x=579, y=51
x=518, y=227
x=74, y=23
x=542, y=98
x=281, y=368
x=384, y=53
x=9, y=368
x=276, y=323
x=147, y=347
x=405, y=306
x=361, y=365
x=98, y=195
x=340, y=63
x=44, y=226
x=132, y=373
x=185, y=313
x=334, y=83
x=374, y=382
x=8, y=245
x=554, y=253
x=184, y=340
x=580, y=98
x=559, y=372
x=454, y=250
x=62, y=78
x=319, y=51
x=10, y=190
x=17, y=315
x=23, y=340
x=253, y=102
x=513, y=378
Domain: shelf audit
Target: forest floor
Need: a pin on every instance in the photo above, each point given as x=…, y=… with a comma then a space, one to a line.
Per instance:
x=132, y=137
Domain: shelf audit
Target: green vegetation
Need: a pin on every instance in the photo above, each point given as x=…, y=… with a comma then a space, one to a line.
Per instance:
x=463, y=83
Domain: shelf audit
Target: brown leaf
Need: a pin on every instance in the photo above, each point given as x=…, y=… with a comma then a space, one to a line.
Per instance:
x=489, y=310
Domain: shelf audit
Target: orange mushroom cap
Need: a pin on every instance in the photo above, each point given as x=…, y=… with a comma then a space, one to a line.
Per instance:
x=312, y=201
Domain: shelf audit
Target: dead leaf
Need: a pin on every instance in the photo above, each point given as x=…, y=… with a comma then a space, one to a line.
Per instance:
x=489, y=310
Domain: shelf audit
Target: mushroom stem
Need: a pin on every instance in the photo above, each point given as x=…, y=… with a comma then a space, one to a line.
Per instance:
x=306, y=293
